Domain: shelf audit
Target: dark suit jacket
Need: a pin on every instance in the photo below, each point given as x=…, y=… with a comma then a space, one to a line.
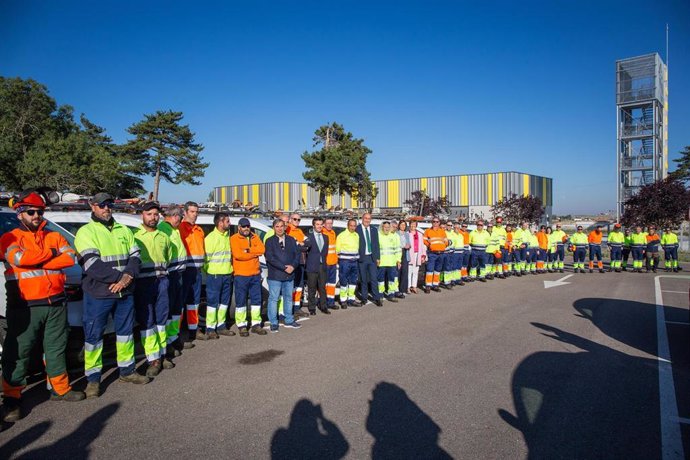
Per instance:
x=315, y=260
x=375, y=249
x=277, y=258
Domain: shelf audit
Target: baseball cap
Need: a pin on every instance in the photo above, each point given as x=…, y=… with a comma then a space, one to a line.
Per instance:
x=616, y=225
x=244, y=222
x=149, y=205
x=30, y=200
x=101, y=197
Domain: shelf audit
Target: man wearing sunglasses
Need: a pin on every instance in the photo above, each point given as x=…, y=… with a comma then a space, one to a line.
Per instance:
x=246, y=248
x=294, y=231
x=36, y=304
x=110, y=259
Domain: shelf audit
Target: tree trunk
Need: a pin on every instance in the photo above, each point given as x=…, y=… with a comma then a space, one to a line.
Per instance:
x=156, y=182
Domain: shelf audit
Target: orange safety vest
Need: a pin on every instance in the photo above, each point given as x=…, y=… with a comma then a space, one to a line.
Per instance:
x=332, y=257
x=465, y=237
x=543, y=240
x=509, y=241
x=33, y=266
x=296, y=233
x=193, y=241
x=246, y=263
x=594, y=237
x=434, y=239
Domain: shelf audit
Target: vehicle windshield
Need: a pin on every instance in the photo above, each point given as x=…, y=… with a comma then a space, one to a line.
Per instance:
x=9, y=221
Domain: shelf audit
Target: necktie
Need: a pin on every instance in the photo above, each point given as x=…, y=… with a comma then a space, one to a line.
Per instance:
x=368, y=238
x=319, y=241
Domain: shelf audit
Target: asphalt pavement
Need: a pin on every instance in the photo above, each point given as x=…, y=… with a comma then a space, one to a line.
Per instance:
x=504, y=369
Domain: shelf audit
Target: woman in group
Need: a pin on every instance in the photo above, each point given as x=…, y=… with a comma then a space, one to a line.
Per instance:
x=416, y=256
x=405, y=244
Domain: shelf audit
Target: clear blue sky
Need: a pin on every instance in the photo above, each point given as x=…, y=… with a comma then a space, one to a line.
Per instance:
x=433, y=87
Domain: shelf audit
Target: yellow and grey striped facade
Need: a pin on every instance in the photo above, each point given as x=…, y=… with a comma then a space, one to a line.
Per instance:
x=464, y=191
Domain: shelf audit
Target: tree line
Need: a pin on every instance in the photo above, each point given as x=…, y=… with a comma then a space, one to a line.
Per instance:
x=45, y=144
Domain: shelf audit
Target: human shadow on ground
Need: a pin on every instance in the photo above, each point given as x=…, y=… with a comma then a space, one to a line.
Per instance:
x=310, y=435
x=74, y=446
x=597, y=402
x=401, y=429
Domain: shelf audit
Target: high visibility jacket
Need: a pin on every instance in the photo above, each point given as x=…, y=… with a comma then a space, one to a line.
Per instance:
x=594, y=237
x=533, y=241
x=347, y=245
x=391, y=254
x=543, y=239
x=616, y=239
x=156, y=252
x=479, y=240
x=465, y=237
x=268, y=234
x=638, y=240
x=553, y=241
x=521, y=237
x=653, y=242
x=105, y=252
x=435, y=239
x=332, y=257
x=246, y=251
x=627, y=241
x=33, y=266
x=178, y=257
x=669, y=240
x=500, y=230
x=509, y=241
x=296, y=233
x=579, y=240
x=218, y=260
x=560, y=237
x=458, y=241
x=194, y=243
x=449, y=248
x=494, y=242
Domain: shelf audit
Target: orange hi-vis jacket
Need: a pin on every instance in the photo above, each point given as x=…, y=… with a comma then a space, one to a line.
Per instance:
x=296, y=233
x=434, y=239
x=594, y=237
x=33, y=266
x=332, y=257
x=543, y=240
x=509, y=241
x=193, y=240
x=465, y=237
x=245, y=254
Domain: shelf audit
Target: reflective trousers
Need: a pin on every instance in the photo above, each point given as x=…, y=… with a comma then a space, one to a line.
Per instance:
x=348, y=272
x=434, y=266
x=176, y=304
x=247, y=287
x=151, y=310
x=388, y=276
x=191, y=294
x=218, y=299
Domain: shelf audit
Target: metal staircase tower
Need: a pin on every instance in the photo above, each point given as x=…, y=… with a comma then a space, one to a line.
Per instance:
x=641, y=124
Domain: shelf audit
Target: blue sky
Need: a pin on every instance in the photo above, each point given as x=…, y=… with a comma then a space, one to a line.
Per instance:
x=433, y=87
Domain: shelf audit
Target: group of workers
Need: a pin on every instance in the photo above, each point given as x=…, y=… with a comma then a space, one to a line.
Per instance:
x=154, y=275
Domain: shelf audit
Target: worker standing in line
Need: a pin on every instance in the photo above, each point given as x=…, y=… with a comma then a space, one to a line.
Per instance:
x=151, y=301
x=110, y=259
x=594, y=239
x=669, y=241
x=499, y=239
x=652, y=249
x=521, y=239
x=391, y=259
x=458, y=243
x=286, y=221
x=491, y=248
x=300, y=275
x=507, y=252
x=627, y=247
x=615, y=241
x=532, y=252
x=447, y=274
x=178, y=264
x=579, y=243
x=436, y=243
x=465, y=270
x=479, y=240
x=560, y=238
x=347, y=248
x=193, y=240
x=34, y=258
x=638, y=243
x=502, y=233
x=246, y=248
x=331, y=264
x=543, y=251
x=550, y=251
x=219, y=278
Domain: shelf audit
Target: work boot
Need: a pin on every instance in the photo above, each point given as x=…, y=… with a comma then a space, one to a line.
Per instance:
x=502, y=276
x=489, y=277
x=518, y=274
x=446, y=286
x=212, y=335
x=135, y=378
x=334, y=307
x=435, y=288
x=379, y=302
x=93, y=390
x=461, y=283
x=343, y=306
x=601, y=270
x=244, y=332
x=618, y=270
x=675, y=269
x=354, y=303
x=168, y=364
x=625, y=269
x=256, y=329
x=201, y=336
x=427, y=289
x=187, y=345
x=71, y=396
x=172, y=352
x=560, y=270
x=226, y=332
x=391, y=298
x=483, y=280
x=591, y=271
x=154, y=368
x=12, y=409
x=299, y=314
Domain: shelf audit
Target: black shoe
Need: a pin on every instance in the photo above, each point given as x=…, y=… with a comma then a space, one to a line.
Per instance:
x=461, y=283
x=625, y=269
x=502, y=276
x=489, y=277
x=324, y=311
x=312, y=312
x=435, y=288
x=354, y=303
x=334, y=307
x=654, y=270
x=591, y=271
x=172, y=352
x=601, y=270
x=446, y=286
x=518, y=274
x=427, y=289
x=343, y=306
x=399, y=295
x=378, y=302
x=560, y=270
x=12, y=410
x=391, y=299
x=675, y=270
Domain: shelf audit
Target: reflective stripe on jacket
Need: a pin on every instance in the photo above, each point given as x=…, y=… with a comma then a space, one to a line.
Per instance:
x=155, y=252
x=218, y=260
x=178, y=257
x=193, y=239
x=347, y=245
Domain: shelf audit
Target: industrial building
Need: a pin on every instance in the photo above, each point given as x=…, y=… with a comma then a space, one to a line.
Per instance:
x=470, y=194
x=642, y=123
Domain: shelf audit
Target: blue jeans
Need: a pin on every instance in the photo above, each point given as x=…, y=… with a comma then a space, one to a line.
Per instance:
x=277, y=289
x=368, y=276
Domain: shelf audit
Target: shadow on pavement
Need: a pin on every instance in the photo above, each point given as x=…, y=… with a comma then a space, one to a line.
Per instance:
x=74, y=446
x=596, y=402
x=400, y=428
x=310, y=435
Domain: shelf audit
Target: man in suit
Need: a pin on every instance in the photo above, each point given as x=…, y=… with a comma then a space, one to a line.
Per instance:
x=316, y=245
x=282, y=256
x=369, y=260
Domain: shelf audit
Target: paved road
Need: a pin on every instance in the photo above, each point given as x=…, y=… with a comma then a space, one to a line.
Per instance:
x=506, y=369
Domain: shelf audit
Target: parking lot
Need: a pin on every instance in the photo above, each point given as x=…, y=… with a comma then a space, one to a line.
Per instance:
x=592, y=367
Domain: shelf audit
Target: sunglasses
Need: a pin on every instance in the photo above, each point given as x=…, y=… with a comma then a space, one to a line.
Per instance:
x=435, y=221
x=31, y=212
x=295, y=219
x=105, y=205
x=245, y=226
